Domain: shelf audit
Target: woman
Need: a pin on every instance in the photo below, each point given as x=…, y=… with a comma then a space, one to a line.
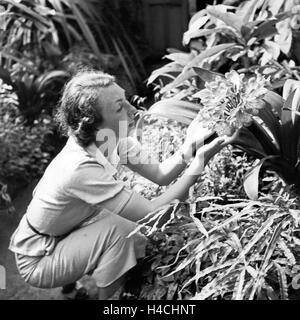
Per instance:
x=80, y=215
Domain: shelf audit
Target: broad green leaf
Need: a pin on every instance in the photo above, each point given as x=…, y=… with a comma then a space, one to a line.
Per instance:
x=284, y=37
x=251, y=180
x=271, y=120
x=178, y=110
x=247, y=10
x=290, y=127
x=271, y=51
x=209, y=53
x=268, y=28
x=186, y=74
x=265, y=30
x=274, y=100
x=207, y=75
x=171, y=67
x=179, y=57
x=274, y=6
x=264, y=138
x=199, y=16
x=233, y=20
x=248, y=142
x=189, y=35
x=289, y=86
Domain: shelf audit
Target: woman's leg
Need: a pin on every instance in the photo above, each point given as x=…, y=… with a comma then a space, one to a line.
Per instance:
x=101, y=249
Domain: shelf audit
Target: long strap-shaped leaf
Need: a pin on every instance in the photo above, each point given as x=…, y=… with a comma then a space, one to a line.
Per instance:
x=271, y=120
x=248, y=142
x=86, y=31
x=264, y=138
x=186, y=74
x=178, y=110
x=290, y=130
x=267, y=256
x=171, y=67
x=251, y=179
x=209, y=53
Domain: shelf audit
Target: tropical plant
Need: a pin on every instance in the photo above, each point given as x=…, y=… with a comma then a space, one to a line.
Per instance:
x=273, y=133
x=49, y=28
x=241, y=250
x=31, y=92
x=24, y=151
x=259, y=31
x=274, y=137
x=248, y=38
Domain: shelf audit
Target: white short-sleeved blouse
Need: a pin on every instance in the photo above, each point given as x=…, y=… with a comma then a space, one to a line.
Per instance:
x=77, y=185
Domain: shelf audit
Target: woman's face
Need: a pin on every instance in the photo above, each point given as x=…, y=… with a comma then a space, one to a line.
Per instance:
x=116, y=111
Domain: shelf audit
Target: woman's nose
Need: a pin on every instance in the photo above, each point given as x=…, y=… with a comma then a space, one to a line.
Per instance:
x=131, y=110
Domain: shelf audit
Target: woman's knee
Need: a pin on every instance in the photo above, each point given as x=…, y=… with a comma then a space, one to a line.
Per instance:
x=122, y=227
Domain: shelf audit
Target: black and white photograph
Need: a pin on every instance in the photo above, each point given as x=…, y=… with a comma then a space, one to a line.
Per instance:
x=149, y=153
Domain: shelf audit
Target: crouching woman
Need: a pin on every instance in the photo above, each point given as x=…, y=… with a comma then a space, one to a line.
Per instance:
x=80, y=215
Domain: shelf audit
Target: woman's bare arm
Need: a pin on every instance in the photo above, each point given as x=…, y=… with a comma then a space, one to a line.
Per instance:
x=162, y=173
x=138, y=207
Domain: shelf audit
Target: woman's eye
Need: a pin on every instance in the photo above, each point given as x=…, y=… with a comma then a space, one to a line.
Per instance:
x=120, y=107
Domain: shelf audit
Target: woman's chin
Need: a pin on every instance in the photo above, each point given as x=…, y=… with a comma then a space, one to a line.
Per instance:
x=131, y=129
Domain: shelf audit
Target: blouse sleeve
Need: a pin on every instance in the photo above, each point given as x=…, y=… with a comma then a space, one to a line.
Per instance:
x=92, y=183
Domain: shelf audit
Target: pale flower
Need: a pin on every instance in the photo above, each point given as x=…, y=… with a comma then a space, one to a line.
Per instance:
x=230, y=103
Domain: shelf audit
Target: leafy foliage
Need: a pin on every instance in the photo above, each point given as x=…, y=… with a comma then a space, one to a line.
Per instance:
x=32, y=92
x=50, y=28
x=24, y=152
x=245, y=249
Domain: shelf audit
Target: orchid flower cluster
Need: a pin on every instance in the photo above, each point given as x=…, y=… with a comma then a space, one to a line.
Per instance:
x=230, y=103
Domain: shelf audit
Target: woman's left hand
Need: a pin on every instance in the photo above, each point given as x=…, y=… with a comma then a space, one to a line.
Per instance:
x=230, y=139
x=195, y=136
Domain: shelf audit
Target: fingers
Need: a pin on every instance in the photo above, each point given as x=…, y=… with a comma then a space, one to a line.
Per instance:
x=231, y=139
x=216, y=144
